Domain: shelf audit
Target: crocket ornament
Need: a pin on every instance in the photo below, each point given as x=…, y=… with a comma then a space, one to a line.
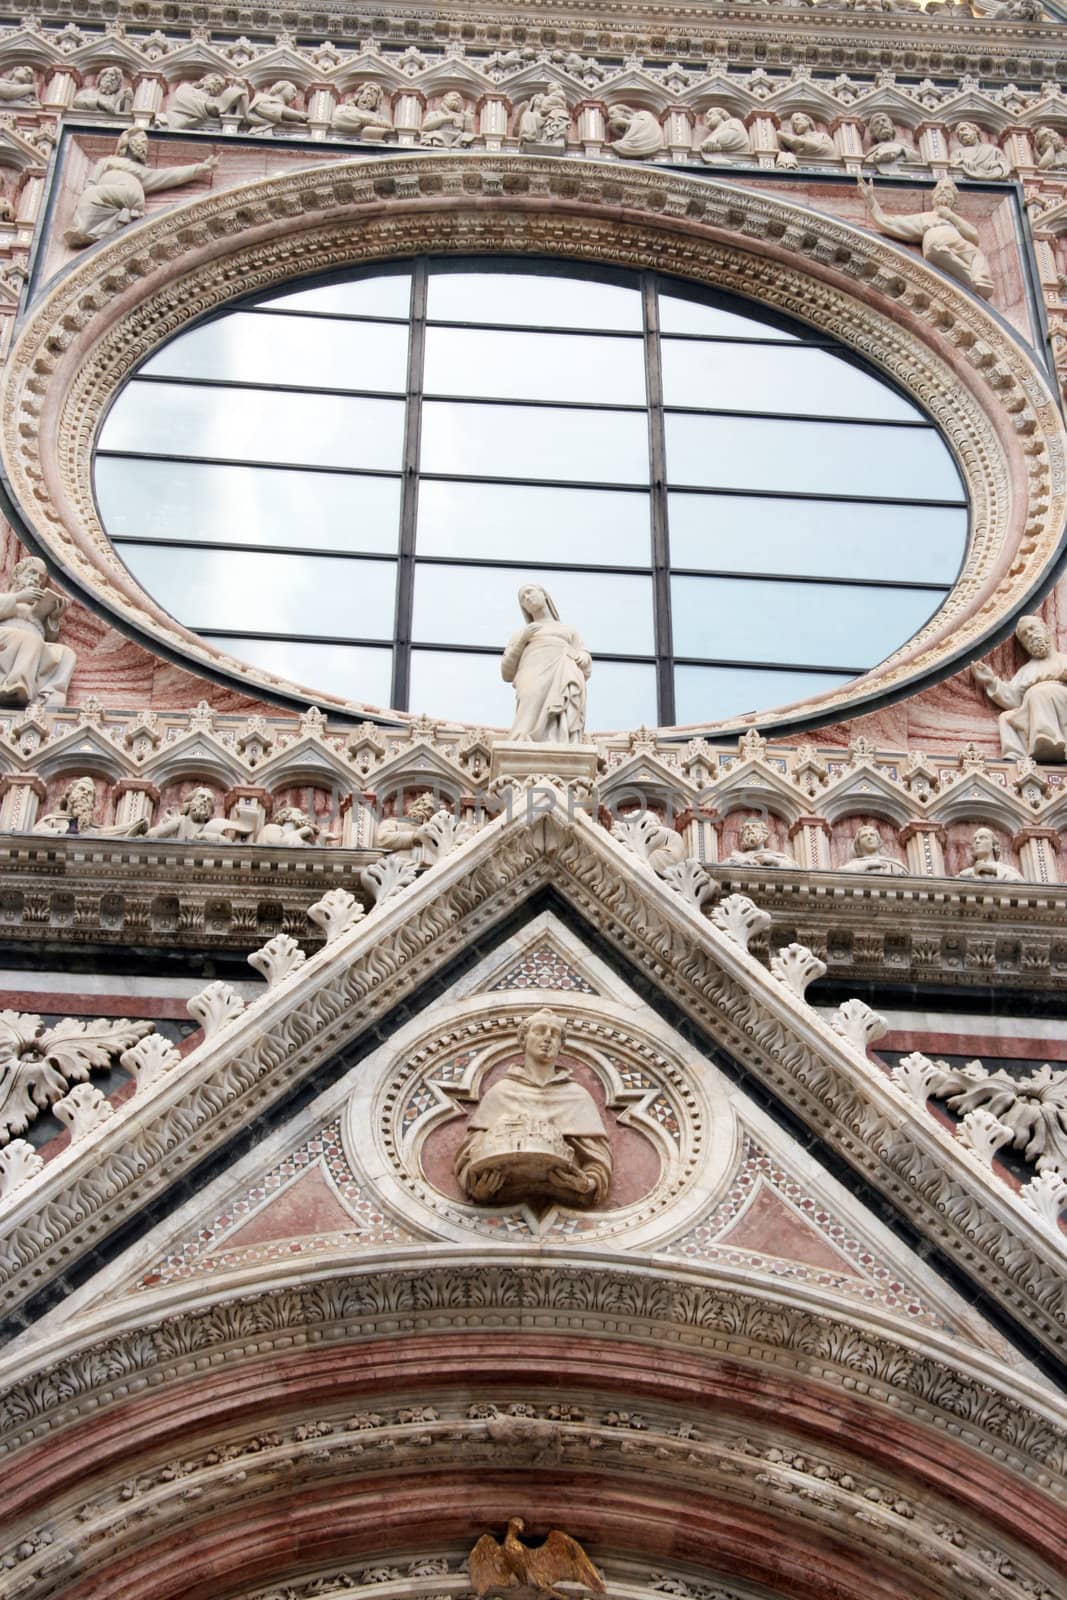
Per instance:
x=517, y=1572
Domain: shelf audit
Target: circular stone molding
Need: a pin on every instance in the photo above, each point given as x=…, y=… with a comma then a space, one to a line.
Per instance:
x=673, y=1132
x=118, y=303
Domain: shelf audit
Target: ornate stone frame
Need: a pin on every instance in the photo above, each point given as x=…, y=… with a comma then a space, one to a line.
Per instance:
x=119, y=302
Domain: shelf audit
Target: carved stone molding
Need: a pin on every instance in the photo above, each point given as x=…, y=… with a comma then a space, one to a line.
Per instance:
x=115, y=306
x=963, y=1210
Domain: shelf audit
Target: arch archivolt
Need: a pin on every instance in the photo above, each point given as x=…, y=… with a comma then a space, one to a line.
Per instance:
x=234, y=1444
x=117, y=304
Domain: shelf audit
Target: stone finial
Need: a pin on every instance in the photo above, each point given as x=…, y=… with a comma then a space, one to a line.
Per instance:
x=278, y=958
x=83, y=1109
x=797, y=966
x=214, y=1007
x=740, y=919
x=335, y=913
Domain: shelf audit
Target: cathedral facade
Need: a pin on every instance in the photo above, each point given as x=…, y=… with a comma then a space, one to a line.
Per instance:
x=533, y=801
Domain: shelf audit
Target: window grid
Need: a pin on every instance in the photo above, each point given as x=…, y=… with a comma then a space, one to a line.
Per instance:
x=664, y=657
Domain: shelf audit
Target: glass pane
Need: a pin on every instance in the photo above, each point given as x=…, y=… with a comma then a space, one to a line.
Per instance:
x=822, y=538
x=301, y=351
x=532, y=300
x=758, y=377
x=359, y=672
x=468, y=688
x=705, y=694
x=256, y=425
x=461, y=686
x=383, y=295
x=810, y=457
x=677, y=315
x=504, y=521
x=479, y=605
x=268, y=593
x=803, y=624
x=533, y=442
x=535, y=366
x=208, y=504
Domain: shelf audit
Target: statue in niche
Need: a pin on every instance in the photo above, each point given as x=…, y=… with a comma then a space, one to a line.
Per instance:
x=985, y=860
x=976, y=156
x=365, y=116
x=549, y=665
x=405, y=833
x=288, y=826
x=948, y=240
x=18, y=86
x=75, y=814
x=886, y=149
x=115, y=194
x=7, y=210
x=32, y=666
x=536, y=1133
x=727, y=138
x=868, y=855
x=638, y=134
x=450, y=127
x=211, y=98
x=545, y=120
x=110, y=95
x=273, y=107
x=196, y=819
x=1051, y=150
x=804, y=142
x=1033, y=720
x=752, y=848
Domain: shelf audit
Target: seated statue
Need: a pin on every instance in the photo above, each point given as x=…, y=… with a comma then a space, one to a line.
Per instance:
x=273, y=107
x=196, y=819
x=985, y=860
x=546, y=119
x=752, y=850
x=948, y=240
x=404, y=833
x=75, y=814
x=117, y=190
x=32, y=666
x=804, y=142
x=19, y=84
x=290, y=826
x=727, y=137
x=365, y=116
x=208, y=100
x=1051, y=150
x=450, y=127
x=109, y=95
x=1034, y=717
x=638, y=133
x=536, y=1134
x=976, y=156
x=868, y=855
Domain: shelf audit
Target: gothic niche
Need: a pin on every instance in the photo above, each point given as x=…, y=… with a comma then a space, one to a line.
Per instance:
x=541, y=1131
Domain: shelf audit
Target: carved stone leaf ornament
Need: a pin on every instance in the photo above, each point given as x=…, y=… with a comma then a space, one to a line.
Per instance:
x=83, y=1109
x=855, y=1021
x=335, y=913
x=19, y=1162
x=797, y=966
x=149, y=1059
x=278, y=958
x=740, y=919
x=1032, y=1109
x=38, y=1065
x=217, y=1005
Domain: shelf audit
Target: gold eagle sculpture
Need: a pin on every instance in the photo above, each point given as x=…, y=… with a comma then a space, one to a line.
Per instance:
x=514, y=1566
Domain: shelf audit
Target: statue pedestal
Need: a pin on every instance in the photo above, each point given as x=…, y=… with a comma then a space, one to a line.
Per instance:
x=521, y=759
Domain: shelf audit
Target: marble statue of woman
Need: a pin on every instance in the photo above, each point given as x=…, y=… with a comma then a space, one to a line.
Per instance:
x=548, y=664
x=1033, y=718
x=32, y=666
x=115, y=194
x=638, y=133
x=948, y=240
x=536, y=1133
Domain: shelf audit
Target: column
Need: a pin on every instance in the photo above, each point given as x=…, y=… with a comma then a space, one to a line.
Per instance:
x=134, y=799
x=1038, y=849
x=810, y=838
x=20, y=796
x=924, y=846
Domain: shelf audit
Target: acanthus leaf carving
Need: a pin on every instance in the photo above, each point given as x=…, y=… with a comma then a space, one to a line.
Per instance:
x=83, y=1110
x=797, y=966
x=149, y=1059
x=215, y=1006
x=277, y=959
x=19, y=1162
x=335, y=913
x=855, y=1021
x=38, y=1065
x=740, y=919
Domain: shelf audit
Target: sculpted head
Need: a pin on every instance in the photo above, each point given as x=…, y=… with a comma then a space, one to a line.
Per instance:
x=283, y=90
x=945, y=193
x=109, y=81
x=294, y=815
x=541, y=1036
x=969, y=134
x=1033, y=635
x=868, y=841
x=30, y=573
x=754, y=834
x=985, y=844
x=20, y=75
x=535, y=603
x=452, y=101
x=715, y=117
x=1046, y=139
x=801, y=123
x=79, y=798
x=369, y=97
x=199, y=805
x=423, y=806
x=881, y=127
x=212, y=83
x=133, y=143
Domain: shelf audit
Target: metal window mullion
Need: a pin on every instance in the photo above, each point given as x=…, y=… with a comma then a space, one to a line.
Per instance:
x=657, y=452
x=409, y=495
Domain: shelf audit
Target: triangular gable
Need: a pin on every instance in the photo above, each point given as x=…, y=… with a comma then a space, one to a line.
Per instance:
x=318, y=1011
